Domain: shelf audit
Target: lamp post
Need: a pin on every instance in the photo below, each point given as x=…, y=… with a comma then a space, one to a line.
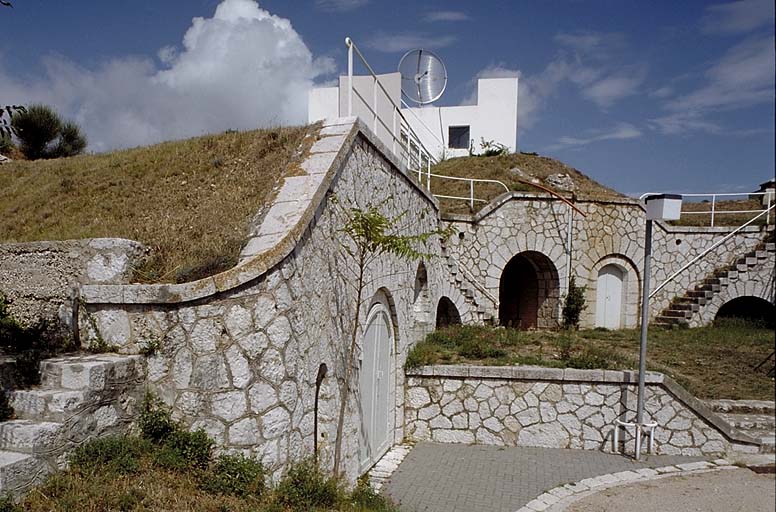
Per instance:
x=659, y=207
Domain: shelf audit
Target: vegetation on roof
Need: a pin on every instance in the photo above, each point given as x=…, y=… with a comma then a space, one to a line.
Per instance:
x=513, y=170
x=189, y=201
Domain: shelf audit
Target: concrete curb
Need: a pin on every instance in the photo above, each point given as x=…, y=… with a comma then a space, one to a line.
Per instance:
x=388, y=463
x=559, y=498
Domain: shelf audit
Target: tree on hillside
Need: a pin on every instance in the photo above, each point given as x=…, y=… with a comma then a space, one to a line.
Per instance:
x=42, y=134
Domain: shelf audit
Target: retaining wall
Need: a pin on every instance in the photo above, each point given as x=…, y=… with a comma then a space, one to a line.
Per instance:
x=558, y=408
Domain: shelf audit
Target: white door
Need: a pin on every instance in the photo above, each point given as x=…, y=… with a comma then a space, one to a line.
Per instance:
x=608, y=301
x=375, y=387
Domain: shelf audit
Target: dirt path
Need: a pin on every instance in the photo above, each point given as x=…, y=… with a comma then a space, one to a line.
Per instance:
x=723, y=491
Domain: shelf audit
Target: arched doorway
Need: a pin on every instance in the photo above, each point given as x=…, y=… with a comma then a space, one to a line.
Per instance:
x=529, y=292
x=608, y=302
x=748, y=308
x=447, y=313
x=421, y=302
x=376, y=387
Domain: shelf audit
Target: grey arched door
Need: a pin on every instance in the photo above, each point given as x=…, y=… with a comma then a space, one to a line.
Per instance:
x=376, y=387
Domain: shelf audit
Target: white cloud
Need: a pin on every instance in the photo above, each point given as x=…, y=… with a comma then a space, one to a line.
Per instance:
x=242, y=68
x=743, y=77
x=738, y=17
x=446, y=16
x=614, y=87
x=395, y=43
x=340, y=5
x=663, y=92
x=621, y=131
x=683, y=122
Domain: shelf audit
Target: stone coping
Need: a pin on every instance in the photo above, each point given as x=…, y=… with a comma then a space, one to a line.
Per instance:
x=282, y=229
x=589, y=377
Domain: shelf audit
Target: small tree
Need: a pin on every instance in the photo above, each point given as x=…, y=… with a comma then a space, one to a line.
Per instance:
x=42, y=134
x=573, y=305
x=370, y=235
x=6, y=130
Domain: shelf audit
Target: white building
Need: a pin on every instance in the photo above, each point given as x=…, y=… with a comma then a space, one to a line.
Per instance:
x=444, y=131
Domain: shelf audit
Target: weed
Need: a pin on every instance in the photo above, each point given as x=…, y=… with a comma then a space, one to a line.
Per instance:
x=364, y=497
x=305, y=486
x=155, y=421
x=8, y=504
x=236, y=475
x=116, y=454
x=182, y=449
x=151, y=346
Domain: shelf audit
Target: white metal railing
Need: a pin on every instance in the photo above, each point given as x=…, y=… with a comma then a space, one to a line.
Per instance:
x=404, y=138
x=409, y=143
x=711, y=248
x=713, y=203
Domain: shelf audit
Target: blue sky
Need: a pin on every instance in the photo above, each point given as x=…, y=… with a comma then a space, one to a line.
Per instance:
x=642, y=96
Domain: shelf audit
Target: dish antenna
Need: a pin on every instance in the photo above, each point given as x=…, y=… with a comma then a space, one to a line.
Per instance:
x=423, y=76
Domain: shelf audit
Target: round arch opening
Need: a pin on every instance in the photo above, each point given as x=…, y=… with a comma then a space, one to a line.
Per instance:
x=447, y=313
x=529, y=292
x=748, y=309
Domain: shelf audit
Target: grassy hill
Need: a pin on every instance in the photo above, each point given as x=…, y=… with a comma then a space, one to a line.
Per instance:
x=509, y=169
x=189, y=201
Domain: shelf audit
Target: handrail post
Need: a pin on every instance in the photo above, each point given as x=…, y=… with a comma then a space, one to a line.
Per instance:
x=393, y=131
x=349, y=43
x=768, y=214
x=713, y=204
x=374, y=106
x=471, y=194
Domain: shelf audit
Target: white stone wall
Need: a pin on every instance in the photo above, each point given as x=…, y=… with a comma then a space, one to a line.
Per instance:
x=612, y=232
x=555, y=408
x=242, y=363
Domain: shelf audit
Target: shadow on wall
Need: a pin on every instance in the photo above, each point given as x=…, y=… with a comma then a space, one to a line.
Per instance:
x=529, y=292
x=447, y=313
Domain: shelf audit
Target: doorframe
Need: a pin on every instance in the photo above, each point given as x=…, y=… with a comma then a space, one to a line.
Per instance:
x=623, y=273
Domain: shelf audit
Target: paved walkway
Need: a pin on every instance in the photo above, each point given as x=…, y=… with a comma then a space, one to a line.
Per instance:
x=464, y=478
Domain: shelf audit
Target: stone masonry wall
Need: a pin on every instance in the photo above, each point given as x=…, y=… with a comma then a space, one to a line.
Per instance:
x=556, y=408
x=38, y=278
x=241, y=363
x=612, y=232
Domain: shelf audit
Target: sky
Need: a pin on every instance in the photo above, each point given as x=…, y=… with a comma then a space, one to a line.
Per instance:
x=658, y=96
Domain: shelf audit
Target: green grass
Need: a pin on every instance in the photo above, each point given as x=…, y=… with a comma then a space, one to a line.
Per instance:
x=169, y=468
x=189, y=201
x=711, y=362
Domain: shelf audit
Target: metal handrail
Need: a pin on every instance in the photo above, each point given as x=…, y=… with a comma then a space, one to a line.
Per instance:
x=711, y=248
x=714, y=212
x=424, y=125
x=412, y=137
x=471, y=181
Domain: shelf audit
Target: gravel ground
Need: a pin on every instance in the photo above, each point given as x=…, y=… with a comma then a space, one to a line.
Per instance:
x=722, y=491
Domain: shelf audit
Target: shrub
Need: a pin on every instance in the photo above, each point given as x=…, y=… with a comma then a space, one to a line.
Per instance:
x=364, y=497
x=115, y=454
x=42, y=134
x=182, y=449
x=7, y=504
x=574, y=304
x=304, y=487
x=6, y=409
x=155, y=422
x=235, y=474
x=6, y=144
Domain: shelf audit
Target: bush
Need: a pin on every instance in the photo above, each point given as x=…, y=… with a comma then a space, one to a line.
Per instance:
x=6, y=146
x=155, y=422
x=364, y=497
x=304, y=487
x=6, y=409
x=116, y=454
x=7, y=504
x=236, y=475
x=42, y=134
x=573, y=305
x=182, y=449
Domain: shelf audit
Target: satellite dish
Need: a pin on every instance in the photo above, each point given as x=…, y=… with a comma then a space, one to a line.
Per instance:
x=423, y=76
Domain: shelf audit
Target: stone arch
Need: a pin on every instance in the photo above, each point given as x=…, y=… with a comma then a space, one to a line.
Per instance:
x=631, y=290
x=748, y=307
x=421, y=302
x=758, y=285
x=447, y=313
x=529, y=292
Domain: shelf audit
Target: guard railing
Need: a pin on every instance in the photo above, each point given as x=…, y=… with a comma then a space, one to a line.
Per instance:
x=766, y=199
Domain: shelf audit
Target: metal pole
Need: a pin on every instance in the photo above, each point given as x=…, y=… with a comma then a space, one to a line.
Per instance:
x=349, y=43
x=644, y=323
x=471, y=195
x=768, y=215
x=713, y=204
x=569, y=238
x=374, y=106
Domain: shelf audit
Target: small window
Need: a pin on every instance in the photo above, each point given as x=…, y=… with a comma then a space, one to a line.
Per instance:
x=458, y=137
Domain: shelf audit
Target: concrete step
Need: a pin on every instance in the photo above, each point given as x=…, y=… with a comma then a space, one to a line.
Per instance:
x=81, y=372
x=47, y=404
x=770, y=247
x=766, y=407
x=746, y=422
x=710, y=287
x=20, y=471
x=686, y=306
x=741, y=267
x=670, y=321
x=700, y=294
x=731, y=275
x=27, y=436
x=677, y=313
x=761, y=255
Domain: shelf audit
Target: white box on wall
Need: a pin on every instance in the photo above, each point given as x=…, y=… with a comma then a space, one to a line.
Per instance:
x=663, y=206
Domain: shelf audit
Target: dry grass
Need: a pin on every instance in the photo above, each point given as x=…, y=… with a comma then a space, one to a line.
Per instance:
x=711, y=362
x=189, y=201
x=721, y=219
x=499, y=168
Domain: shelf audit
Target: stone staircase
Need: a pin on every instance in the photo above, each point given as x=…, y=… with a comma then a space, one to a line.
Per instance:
x=80, y=397
x=756, y=418
x=682, y=310
x=474, y=295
